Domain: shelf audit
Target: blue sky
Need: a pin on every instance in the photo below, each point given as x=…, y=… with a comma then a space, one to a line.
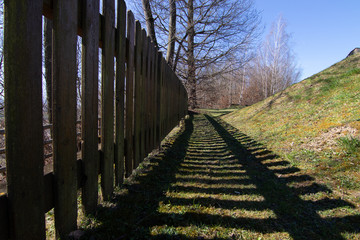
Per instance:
x=323, y=32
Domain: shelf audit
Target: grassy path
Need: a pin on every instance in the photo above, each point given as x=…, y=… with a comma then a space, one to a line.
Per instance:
x=213, y=182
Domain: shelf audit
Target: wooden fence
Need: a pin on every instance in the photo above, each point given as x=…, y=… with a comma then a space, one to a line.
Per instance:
x=132, y=124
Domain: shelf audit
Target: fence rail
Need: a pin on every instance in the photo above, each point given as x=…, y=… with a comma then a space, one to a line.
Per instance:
x=142, y=100
x=46, y=142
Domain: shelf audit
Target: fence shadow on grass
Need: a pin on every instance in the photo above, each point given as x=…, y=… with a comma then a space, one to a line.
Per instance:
x=135, y=204
x=213, y=182
x=298, y=217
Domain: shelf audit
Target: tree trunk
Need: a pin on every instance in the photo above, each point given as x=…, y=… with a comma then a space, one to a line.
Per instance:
x=149, y=21
x=191, y=59
x=172, y=30
x=48, y=65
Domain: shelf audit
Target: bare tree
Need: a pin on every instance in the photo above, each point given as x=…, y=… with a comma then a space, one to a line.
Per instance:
x=172, y=33
x=280, y=58
x=274, y=68
x=149, y=20
x=206, y=32
x=222, y=90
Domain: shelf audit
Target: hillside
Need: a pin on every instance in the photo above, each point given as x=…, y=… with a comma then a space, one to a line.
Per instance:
x=314, y=124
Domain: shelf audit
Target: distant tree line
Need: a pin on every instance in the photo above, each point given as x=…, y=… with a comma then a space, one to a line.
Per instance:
x=203, y=39
x=212, y=46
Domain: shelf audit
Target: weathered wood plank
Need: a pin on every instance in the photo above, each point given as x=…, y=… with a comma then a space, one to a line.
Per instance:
x=64, y=116
x=49, y=184
x=154, y=101
x=48, y=193
x=107, y=100
x=148, y=97
x=48, y=12
x=68, y=19
x=163, y=102
x=154, y=97
x=161, y=106
x=166, y=84
x=130, y=94
x=137, y=96
x=143, y=93
x=166, y=103
x=172, y=101
x=23, y=117
x=120, y=46
x=168, y=88
x=89, y=105
x=158, y=98
x=151, y=96
x=149, y=91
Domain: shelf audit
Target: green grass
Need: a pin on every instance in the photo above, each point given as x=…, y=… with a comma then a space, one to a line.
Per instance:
x=351, y=145
x=284, y=168
x=210, y=181
x=315, y=124
x=218, y=112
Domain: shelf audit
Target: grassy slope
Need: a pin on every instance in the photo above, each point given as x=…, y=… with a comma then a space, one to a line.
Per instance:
x=304, y=122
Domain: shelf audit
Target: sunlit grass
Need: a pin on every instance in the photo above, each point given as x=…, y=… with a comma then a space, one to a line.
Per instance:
x=223, y=196
x=315, y=125
x=233, y=188
x=213, y=232
x=229, y=187
x=206, y=177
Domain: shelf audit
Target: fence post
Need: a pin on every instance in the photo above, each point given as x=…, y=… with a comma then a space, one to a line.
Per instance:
x=107, y=100
x=89, y=105
x=64, y=116
x=129, y=94
x=23, y=118
x=119, y=100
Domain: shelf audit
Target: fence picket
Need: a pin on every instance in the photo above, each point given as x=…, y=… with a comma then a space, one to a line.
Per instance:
x=119, y=99
x=24, y=134
x=152, y=97
x=158, y=97
x=144, y=92
x=107, y=100
x=161, y=128
x=129, y=158
x=64, y=116
x=148, y=97
x=137, y=97
x=143, y=116
x=89, y=105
